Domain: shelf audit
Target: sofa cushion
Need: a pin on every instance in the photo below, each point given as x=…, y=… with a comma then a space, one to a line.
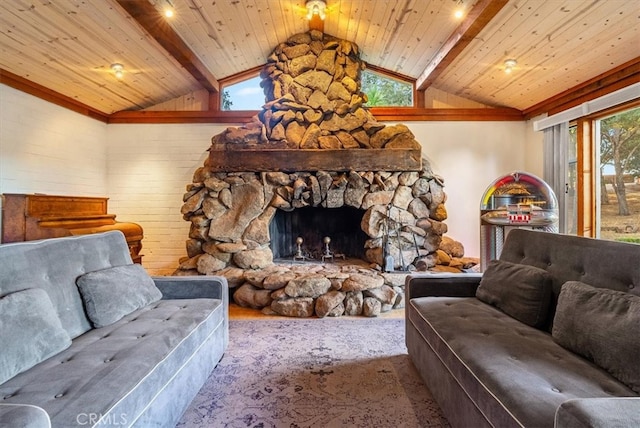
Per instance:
x=55, y=264
x=23, y=416
x=521, y=291
x=30, y=331
x=511, y=370
x=602, y=325
x=117, y=370
x=109, y=294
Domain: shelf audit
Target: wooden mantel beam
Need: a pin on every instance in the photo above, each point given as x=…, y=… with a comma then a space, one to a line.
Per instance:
x=153, y=22
x=475, y=21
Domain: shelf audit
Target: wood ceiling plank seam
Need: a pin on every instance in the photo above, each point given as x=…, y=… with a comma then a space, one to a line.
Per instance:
x=152, y=78
x=588, y=56
x=191, y=30
x=576, y=51
x=263, y=35
x=294, y=17
x=488, y=81
x=392, y=18
x=335, y=22
x=91, y=97
x=474, y=58
x=358, y=27
x=351, y=19
x=89, y=84
x=367, y=33
x=277, y=24
x=46, y=93
x=154, y=24
x=428, y=33
x=146, y=84
x=142, y=44
x=270, y=39
x=567, y=39
x=401, y=40
x=628, y=72
x=212, y=28
x=380, y=16
x=252, y=48
x=476, y=20
x=234, y=20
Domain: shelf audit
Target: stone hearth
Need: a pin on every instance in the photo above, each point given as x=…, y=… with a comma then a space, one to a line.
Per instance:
x=314, y=144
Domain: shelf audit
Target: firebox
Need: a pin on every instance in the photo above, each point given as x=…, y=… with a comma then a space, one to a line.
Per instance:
x=313, y=226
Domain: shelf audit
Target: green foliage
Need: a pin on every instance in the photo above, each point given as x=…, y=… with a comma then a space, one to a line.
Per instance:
x=620, y=141
x=631, y=240
x=385, y=91
x=226, y=100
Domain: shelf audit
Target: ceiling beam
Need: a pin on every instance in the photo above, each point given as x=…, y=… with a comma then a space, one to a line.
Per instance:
x=39, y=91
x=620, y=77
x=153, y=22
x=478, y=17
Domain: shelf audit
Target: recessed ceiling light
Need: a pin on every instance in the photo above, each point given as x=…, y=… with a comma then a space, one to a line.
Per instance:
x=509, y=65
x=118, y=70
x=316, y=7
x=168, y=9
x=458, y=13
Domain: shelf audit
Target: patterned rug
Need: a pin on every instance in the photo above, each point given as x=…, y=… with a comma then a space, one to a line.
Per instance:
x=315, y=373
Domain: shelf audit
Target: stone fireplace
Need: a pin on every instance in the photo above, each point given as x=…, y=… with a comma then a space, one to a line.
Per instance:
x=319, y=160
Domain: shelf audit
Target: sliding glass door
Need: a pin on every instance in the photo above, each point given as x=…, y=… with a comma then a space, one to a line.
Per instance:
x=617, y=139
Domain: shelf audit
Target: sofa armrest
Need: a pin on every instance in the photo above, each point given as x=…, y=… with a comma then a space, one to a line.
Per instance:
x=193, y=287
x=23, y=416
x=445, y=284
x=599, y=413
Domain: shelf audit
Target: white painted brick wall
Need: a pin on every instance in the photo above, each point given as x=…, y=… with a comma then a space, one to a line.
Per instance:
x=144, y=169
x=49, y=149
x=149, y=167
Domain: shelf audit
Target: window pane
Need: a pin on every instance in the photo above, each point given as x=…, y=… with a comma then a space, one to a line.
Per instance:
x=383, y=91
x=571, y=201
x=619, y=144
x=245, y=95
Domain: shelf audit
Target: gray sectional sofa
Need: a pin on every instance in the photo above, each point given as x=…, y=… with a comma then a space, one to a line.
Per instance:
x=89, y=339
x=546, y=336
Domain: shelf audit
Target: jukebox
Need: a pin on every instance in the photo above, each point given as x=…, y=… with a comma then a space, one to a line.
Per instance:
x=515, y=200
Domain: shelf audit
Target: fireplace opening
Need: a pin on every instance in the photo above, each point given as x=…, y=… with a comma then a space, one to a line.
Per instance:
x=313, y=225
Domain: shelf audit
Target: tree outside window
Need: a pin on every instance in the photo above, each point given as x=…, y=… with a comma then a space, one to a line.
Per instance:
x=384, y=91
x=620, y=176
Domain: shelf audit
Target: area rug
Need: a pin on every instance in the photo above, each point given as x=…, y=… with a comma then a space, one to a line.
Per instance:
x=297, y=373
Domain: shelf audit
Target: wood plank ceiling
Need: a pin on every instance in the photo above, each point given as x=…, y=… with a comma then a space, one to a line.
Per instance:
x=67, y=46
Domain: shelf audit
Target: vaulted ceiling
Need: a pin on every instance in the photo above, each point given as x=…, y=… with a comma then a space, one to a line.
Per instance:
x=67, y=46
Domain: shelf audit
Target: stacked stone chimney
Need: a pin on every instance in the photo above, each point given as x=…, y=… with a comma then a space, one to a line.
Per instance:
x=313, y=144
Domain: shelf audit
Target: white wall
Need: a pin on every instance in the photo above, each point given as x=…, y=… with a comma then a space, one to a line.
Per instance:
x=470, y=156
x=144, y=169
x=534, y=150
x=150, y=165
x=149, y=168
x=49, y=149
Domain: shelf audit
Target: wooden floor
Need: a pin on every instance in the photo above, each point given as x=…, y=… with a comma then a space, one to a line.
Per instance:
x=239, y=313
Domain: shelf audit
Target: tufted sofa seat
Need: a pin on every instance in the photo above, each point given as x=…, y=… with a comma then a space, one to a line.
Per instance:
x=487, y=368
x=142, y=370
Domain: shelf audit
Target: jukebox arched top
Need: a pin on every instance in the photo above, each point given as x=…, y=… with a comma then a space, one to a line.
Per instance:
x=519, y=198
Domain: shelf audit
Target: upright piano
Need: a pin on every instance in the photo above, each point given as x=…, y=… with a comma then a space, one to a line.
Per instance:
x=27, y=217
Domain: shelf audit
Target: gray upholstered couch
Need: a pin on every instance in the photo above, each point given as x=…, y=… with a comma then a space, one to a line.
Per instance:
x=541, y=339
x=157, y=341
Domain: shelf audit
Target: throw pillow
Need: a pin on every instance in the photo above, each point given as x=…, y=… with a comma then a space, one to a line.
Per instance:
x=30, y=331
x=521, y=291
x=603, y=326
x=112, y=293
